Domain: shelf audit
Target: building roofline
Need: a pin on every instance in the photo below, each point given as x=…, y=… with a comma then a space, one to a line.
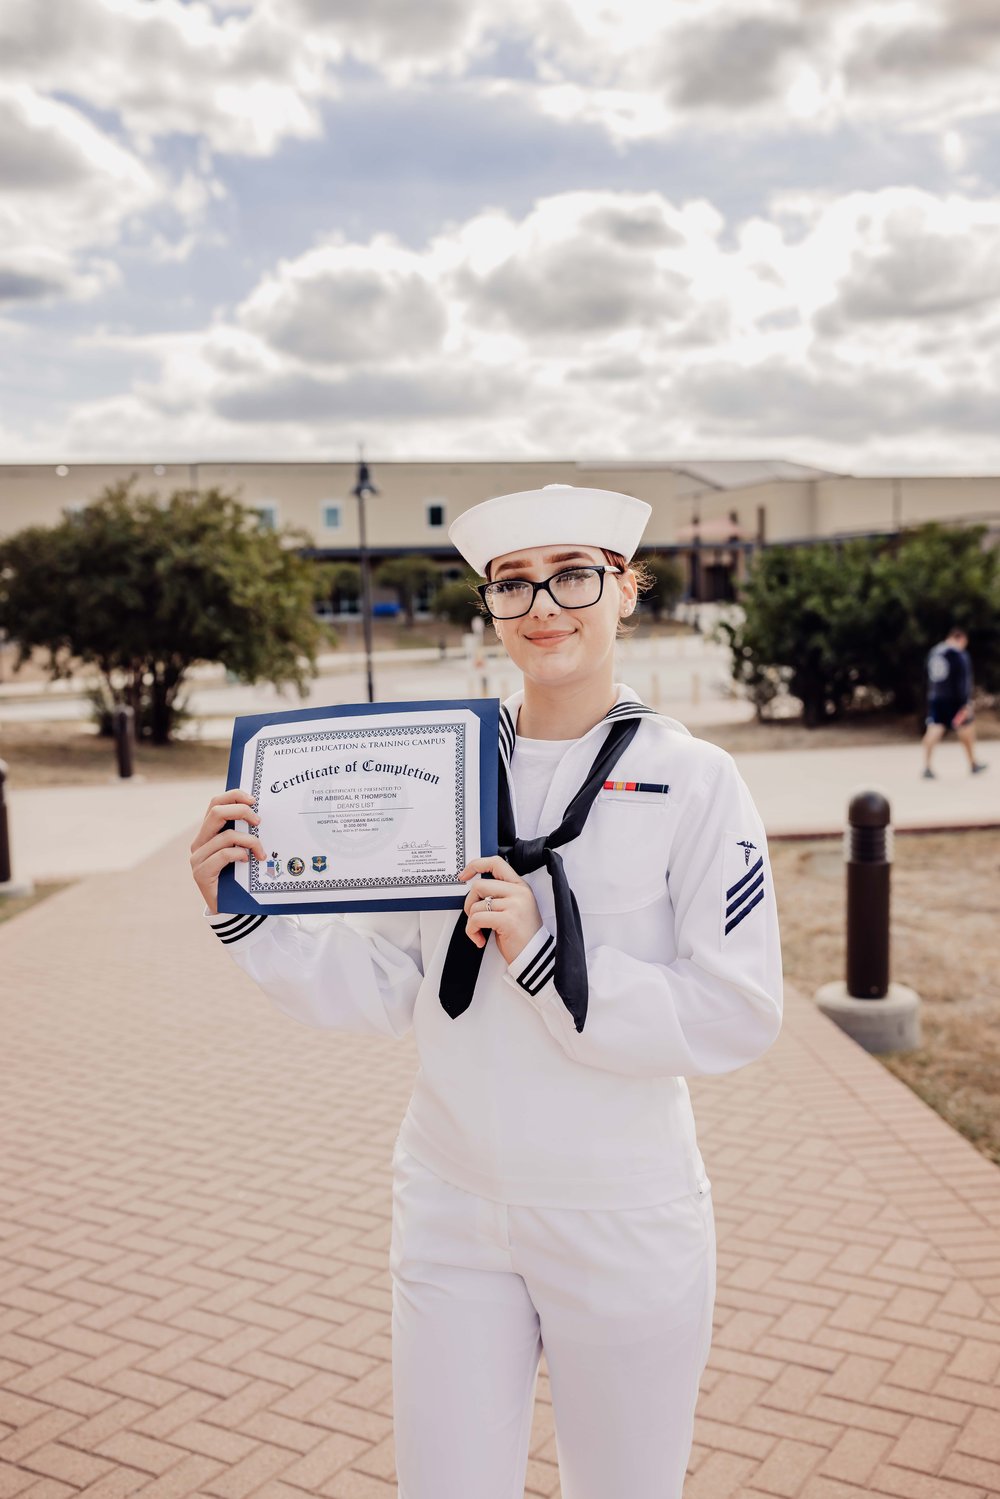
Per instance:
x=678, y=465
x=684, y=466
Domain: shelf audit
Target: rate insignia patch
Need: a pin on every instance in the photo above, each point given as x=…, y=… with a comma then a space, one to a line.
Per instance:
x=743, y=880
x=319, y=863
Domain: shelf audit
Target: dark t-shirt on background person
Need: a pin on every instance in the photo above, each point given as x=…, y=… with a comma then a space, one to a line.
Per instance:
x=949, y=683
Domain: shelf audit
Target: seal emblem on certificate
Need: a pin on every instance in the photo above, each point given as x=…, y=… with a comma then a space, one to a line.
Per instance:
x=364, y=807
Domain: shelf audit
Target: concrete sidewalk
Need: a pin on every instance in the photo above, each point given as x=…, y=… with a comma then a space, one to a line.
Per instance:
x=809, y=791
x=64, y=832
x=194, y=1231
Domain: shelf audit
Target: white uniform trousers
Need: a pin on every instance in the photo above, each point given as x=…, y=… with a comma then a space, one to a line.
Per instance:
x=620, y=1299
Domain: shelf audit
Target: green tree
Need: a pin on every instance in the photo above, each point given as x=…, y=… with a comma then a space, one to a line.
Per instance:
x=806, y=622
x=143, y=590
x=457, y=601
x=337, y=580
x=407, y=575
x=826, y=620
x=933, y=577
x=669, y=582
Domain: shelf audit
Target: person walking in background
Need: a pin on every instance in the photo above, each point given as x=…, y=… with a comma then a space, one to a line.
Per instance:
x=949, y=698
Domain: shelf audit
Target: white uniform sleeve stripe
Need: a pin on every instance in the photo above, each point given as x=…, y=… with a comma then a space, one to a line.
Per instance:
x=532, y=986
x=539, y=957
x=238, y=924
x=221, y=926
x=243, y=931
x=232, y=923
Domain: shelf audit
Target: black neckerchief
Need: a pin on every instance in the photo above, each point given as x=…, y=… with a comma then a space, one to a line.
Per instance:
x=524, y=855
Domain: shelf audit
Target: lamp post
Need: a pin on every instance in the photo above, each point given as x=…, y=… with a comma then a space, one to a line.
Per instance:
x=695, y=581
x=363, y=487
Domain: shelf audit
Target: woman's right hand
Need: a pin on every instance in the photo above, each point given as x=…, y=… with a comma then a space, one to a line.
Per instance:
x=215, y=845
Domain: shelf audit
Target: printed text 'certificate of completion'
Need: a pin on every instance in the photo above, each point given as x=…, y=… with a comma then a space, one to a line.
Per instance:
x=364, y=807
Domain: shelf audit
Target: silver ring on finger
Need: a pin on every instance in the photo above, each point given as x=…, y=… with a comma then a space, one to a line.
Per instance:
x=489, y=903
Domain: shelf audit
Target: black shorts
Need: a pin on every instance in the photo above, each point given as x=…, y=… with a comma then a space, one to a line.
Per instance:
x=943, y=710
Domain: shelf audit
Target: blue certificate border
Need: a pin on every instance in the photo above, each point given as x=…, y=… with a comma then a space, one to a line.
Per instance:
x=234, y=900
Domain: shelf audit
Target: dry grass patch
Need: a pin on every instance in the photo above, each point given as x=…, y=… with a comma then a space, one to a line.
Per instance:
x=945, y=944
x=856, y=732
x=61, y=754
x=13, y=905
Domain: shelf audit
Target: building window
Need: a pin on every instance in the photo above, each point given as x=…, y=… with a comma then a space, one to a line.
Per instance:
x=268, y=515
x=435, y=514
x=331, y=517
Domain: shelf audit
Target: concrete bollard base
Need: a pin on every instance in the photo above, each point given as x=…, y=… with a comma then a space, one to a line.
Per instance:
x=879, y=1025
x=15, y=889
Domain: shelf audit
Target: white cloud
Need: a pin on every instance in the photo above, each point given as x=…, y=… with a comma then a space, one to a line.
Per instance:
x=35, y=274
x=645, y=71
x=582, y=266
x=248, y=77
x=243, y=81
x=62, y=179
x=954, y=150
x=66, y=189
x=347, y=304
x=74, y=202
x=834, y=324
x=906, y=256
x=602, y=323
x=399, y=39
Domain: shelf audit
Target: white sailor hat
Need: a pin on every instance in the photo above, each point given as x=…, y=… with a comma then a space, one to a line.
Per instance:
x=557, y=513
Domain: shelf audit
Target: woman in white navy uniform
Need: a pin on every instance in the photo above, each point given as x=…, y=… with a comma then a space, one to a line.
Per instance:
x=548, y=1189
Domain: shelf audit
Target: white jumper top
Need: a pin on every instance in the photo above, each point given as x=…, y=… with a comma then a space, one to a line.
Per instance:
x=533, y=764
x=510, y=1101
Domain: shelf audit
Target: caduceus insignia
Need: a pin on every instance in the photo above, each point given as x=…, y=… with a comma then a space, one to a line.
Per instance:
x=746, y=846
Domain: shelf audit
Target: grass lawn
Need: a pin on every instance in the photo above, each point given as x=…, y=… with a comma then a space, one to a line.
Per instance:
x=16, y=904
x=944, y=945
x=859, y=731
x=61, y=754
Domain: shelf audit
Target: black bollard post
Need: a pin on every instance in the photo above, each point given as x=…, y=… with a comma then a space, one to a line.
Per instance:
x=124, y=741
x=868, y=853
x=5, y=867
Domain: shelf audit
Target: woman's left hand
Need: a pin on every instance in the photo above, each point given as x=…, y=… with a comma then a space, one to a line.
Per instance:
x=514, y=917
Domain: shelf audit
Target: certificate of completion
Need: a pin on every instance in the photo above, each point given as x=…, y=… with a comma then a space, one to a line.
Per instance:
x=364, y=807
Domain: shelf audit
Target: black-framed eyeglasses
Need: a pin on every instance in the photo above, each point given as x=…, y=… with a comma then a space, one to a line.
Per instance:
x=572, y=588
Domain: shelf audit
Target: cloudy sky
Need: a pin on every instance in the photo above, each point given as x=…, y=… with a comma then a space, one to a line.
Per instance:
x=700, y=228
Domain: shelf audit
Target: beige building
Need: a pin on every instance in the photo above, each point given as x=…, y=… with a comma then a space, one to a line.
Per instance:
x=711, y=514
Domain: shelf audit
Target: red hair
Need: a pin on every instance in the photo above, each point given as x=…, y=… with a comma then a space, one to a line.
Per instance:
x=613, y=559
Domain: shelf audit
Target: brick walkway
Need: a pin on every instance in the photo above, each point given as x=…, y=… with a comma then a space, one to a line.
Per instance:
x=194, y=1231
